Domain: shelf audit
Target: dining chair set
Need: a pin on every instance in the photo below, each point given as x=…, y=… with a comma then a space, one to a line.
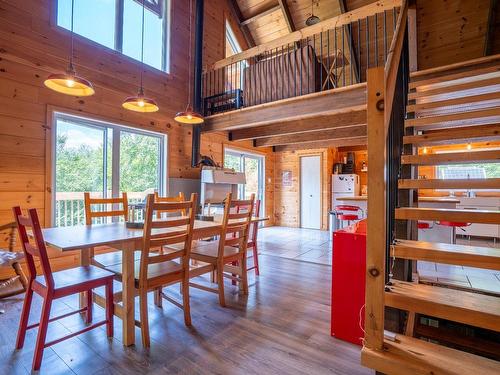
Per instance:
x=168, y=256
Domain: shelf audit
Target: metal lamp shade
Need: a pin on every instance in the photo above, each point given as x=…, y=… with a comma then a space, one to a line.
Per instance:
x=140, y=104
x=69, y=84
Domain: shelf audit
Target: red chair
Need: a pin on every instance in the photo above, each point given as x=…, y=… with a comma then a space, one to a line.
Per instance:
x=424, y=225
x=53, y=285
x=342, y=216
x=454, y=225
x=252, y=239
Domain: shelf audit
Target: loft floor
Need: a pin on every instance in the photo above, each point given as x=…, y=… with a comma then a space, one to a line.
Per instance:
x=283, y=328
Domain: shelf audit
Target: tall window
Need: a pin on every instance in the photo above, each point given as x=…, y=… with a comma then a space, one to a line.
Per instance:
x=117, y=24
x=105, y=160
x=253, y=167
x=234, y=76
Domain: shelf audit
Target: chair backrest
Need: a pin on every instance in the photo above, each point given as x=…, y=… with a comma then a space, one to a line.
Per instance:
x=236, y=223
x=178, y=198
x=89, y=202
x=252, y=238
x=167, y=231
x=36, y=247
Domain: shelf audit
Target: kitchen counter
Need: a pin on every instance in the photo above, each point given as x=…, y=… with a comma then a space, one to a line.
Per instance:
x=421, y=199
x=354, y=198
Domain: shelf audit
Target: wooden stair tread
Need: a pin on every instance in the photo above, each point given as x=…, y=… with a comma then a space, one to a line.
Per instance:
x=459, y=118
x=469, y=75
x=464, y=255
x=448, y=214
x=411, y=356
x=479, y=86
x=490, y=132
x=483, y=99
x=475, y=309
x=452, y=158
x=477, y=183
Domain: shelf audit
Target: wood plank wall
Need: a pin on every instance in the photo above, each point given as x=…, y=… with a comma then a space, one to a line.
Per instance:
x=31, y=49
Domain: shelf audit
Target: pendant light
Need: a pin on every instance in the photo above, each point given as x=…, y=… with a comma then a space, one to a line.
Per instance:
x=312, y=20
x=69, y=83
x=189, y=116
x=140, y=103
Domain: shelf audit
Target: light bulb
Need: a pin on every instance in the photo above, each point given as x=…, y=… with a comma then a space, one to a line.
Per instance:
x=140, y=103
x=70, y=82
x=189, y=117
x=469, y=146
x=424, y=150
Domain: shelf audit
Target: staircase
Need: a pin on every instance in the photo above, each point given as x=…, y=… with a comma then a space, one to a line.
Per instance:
x=451, y=105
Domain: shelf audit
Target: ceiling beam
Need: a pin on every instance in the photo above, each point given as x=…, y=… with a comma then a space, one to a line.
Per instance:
x=270, y=10
x=325, y=135
x=236, y=12
x=322, y=144
x=288, y=17
x=490, y=29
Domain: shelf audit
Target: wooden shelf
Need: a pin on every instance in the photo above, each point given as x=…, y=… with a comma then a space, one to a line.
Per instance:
x=457, y=215
x=411, y=356
x=475, y=309
x=471, y=256
x=483, y=183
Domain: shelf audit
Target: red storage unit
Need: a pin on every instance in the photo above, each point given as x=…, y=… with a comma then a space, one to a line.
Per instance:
x=348, y=282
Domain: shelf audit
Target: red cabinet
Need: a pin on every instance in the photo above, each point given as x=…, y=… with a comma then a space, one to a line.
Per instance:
x=348, y=282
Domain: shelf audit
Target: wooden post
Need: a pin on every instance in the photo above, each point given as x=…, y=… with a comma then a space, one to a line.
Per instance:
x=376, y=241
x=412, y=37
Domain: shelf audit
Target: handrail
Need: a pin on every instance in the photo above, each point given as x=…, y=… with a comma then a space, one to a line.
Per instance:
x=340, y=20
x=392, y=63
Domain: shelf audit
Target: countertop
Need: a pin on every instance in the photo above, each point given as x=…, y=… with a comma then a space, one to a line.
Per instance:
x=421, y=199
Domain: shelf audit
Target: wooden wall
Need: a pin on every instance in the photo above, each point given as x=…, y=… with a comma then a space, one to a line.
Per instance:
x=31, y=48
x=287, y=198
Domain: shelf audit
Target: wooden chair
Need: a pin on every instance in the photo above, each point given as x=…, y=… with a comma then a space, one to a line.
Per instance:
x=16, y=284
x=178, y=198
x=53, y=285
x=252, y=239
x=115, y=257
x=155, y=271
x=228, y=256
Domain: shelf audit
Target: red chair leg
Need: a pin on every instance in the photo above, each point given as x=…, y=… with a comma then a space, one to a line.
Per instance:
x=256, y=259
x=109, y=309
x=89, y=306
x=42, y=333
x=23, y=323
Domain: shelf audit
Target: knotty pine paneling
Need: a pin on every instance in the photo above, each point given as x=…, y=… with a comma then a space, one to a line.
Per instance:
x=31, y=49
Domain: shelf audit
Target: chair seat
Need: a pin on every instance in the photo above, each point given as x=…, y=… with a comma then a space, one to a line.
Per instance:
x=212, y=250
x=76, y=276
x=453, y=224
x=423, y=225
x=113, y=258
x=154, y=270
x=347, y=217
x=8, y=258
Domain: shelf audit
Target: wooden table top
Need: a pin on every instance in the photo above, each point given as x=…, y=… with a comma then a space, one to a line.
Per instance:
x=87, y=236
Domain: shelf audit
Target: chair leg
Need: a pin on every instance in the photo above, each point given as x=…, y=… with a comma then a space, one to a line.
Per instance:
x=109, y=309
x=23, y=323
x=212, y=276
x=185, y=300
x=220, y=282
x=157, y=297
x=233, y=282
x=244, y=274
x=256, y=258
x=143, y=302
x=42, y=333
x=89, y=306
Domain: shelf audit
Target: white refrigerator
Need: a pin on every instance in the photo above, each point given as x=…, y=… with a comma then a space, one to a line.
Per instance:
x=344, y=185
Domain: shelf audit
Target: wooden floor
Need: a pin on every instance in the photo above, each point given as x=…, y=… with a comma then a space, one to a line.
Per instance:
x=281, y=328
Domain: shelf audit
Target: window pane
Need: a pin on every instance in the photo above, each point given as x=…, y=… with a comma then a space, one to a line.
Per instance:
x=93, y=19
x=139, y=165
x=79, y=168
x=153, y=34
x=252, y=177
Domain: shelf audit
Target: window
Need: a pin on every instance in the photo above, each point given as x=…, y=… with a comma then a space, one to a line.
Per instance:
x=253, y=167
x=117, y=24
x=104, y=159
x=234, y=78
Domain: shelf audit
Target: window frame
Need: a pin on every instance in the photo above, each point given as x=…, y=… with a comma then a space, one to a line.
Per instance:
x=115, y=157
x=118, y=42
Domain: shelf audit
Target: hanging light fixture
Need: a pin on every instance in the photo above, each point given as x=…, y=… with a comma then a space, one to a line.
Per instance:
x=312, y=20
x=69, y=83
x=140, y=103
x=189, y=116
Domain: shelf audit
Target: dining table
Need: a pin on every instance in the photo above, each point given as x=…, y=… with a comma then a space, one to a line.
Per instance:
x=127, y=240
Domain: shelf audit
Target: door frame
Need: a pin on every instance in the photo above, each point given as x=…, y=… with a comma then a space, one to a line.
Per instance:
x=321, y=182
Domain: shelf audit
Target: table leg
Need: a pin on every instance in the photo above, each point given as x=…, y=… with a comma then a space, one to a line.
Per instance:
x=128, y=295
x=84, y=261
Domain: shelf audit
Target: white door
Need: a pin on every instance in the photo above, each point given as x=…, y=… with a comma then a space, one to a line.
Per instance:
x=310, y=192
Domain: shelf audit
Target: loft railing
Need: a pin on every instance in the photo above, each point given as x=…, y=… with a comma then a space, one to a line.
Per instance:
x=387, y=90
x=331, y=54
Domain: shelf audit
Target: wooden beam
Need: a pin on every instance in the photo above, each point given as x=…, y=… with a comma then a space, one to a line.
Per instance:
x=490, y=30
x=412, y=38
x=376, y=239
x=325, y=135
x=270, y=10
x=288, y=17
x=340, y=20
x=345, y=99
x=313, y=124
x=322, y=144
x=235, y=10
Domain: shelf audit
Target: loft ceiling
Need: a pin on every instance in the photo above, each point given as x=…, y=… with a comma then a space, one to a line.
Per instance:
x=266, y=20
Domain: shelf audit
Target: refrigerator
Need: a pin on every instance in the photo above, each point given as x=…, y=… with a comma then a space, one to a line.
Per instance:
x=344, y=185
